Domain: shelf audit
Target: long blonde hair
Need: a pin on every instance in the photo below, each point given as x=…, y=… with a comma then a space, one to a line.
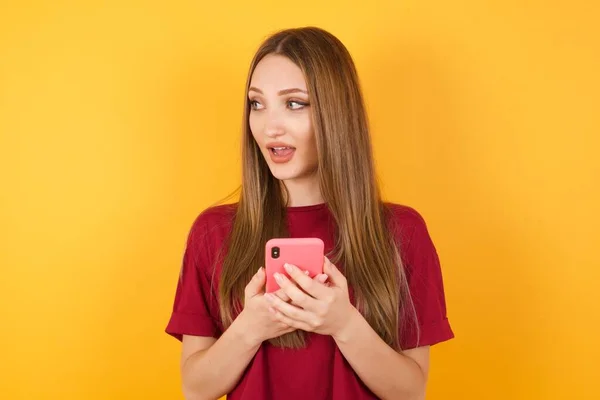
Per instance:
x=364, y=245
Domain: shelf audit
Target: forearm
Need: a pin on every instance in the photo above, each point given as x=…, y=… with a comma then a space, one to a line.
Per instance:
x=214, y=372
x=389, y=374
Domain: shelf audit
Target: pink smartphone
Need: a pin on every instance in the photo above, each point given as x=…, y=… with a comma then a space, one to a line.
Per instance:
x=305, y=253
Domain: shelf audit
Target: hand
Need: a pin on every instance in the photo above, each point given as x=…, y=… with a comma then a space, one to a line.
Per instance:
x=317, y=307
x=257, y=322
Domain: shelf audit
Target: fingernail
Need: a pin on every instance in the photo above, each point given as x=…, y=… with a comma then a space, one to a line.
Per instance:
x=322, y=278
x=288, y=267
x=278, y=277
x=269, y=297
x=306, y=272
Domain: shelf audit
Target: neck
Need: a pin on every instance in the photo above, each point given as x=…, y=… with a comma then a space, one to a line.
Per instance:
x=303, y=191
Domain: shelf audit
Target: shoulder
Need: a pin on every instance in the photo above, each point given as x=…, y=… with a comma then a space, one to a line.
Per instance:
x=404, y=214
x=212, y=219
x=411, y=235
x=404, y=221
x=210, y=229
x=424, y=279
x=207, y=234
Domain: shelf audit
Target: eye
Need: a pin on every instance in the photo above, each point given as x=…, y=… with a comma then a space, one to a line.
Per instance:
x=296, y=105
x=254, y=105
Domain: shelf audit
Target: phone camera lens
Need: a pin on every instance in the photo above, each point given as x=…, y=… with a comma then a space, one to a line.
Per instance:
x=275, y=252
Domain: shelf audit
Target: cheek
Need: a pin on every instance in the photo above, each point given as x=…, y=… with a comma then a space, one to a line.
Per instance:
x=309, y=142
x=309, y=146
x=313, y=157
x=254, y=127
x=302, y=128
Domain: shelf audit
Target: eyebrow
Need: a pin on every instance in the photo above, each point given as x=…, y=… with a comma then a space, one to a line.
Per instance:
x=281, y=92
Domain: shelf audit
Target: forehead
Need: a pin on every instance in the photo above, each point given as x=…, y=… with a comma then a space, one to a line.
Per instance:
x=276, y=72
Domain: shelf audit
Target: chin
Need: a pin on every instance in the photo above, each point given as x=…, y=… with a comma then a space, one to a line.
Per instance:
x=284, y=174
x=291, y=172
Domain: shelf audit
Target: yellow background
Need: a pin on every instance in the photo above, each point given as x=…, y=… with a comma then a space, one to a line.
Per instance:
x=119, y=123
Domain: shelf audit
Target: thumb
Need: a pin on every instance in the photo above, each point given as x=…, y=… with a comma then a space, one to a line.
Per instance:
x=256, y=284
x=335, y=276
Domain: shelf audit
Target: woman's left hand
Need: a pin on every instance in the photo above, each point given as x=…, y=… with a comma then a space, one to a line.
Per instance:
x=317, y=307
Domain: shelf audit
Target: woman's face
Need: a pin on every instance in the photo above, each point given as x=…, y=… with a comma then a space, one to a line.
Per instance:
x=281, y=118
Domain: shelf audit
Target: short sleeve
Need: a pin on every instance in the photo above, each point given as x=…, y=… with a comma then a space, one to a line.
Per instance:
x=425, y=321
x=194, y=305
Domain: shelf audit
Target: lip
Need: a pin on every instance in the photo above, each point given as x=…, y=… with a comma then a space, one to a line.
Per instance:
x=280, y=159
x=278, y=144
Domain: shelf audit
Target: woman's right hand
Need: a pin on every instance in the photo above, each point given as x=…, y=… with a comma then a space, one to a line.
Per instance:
x=257, y=322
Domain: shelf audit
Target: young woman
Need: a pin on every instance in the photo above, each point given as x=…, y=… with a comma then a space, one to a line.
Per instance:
x=361, y=330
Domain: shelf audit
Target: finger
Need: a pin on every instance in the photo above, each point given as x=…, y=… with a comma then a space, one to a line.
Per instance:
x=285, y=328
x=321, y=278
x=282, y=295
x=335, y=276
x=294, y=293
x=310, y=286
x=256, y=284
x=289, y=310
x=282, y=328
x=290, y=322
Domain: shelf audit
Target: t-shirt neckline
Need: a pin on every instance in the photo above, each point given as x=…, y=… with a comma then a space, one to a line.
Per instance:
x=312, y=207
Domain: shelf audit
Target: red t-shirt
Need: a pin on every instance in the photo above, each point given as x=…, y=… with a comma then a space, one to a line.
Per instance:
x=318, y=371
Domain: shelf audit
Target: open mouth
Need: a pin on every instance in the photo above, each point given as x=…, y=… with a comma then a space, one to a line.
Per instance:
x=282, y=151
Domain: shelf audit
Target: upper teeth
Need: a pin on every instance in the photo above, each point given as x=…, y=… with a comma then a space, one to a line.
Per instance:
x=280, y=148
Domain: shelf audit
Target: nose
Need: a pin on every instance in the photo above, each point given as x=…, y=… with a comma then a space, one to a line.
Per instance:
x=274, y=126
